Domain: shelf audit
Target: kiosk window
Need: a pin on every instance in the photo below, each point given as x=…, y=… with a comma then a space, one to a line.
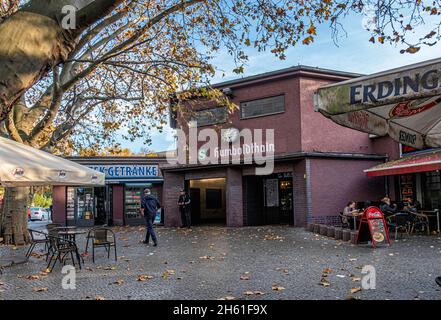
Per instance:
x=213, y=198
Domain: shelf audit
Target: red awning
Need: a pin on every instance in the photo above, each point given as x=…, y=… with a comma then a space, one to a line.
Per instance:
x=428, y=161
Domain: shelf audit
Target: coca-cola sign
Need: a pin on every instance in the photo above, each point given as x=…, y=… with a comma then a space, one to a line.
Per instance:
x=407, y=109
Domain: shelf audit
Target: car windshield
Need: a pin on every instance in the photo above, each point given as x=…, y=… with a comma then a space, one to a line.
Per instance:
x=34, y=209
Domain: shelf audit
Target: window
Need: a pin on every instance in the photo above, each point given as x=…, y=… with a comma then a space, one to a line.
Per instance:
x=210, y=116
x=262, y=107
x=213, y=198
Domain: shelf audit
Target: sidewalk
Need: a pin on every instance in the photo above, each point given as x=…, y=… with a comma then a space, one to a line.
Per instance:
x=244, y=263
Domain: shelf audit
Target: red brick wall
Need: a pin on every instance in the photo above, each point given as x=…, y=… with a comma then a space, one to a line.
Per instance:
x=300, y=192
x=173, y=183
x=334, y=182
x=234, y=198
x=59, y=204
x=322, y=134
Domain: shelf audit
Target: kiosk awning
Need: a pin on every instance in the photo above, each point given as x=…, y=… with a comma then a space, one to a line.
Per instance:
x=422, y=162
x=404, y=103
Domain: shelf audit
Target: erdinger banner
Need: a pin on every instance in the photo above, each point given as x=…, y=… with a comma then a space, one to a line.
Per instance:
x=403, y=103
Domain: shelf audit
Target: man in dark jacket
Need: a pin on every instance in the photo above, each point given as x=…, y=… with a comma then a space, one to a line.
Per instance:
x=387, y=208
x=149, y=206
x=184, y=208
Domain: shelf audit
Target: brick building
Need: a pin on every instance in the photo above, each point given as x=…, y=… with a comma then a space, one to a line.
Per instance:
x=318, y=165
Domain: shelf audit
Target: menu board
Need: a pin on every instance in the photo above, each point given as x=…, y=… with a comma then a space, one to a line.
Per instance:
x=373, y=227
x=272, y=192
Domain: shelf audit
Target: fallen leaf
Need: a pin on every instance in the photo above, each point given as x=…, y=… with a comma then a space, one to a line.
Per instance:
x=228, y=298
x=253, y=293
x=36, y=289
x=327, y=270
x=355, y=279
x=119, y=282
x=144, y=277
x=277, y=288
x=354, y=290
x=33, y=277
x=244, y=277
x=324, y=282
x=207, y=257
x=100, y=298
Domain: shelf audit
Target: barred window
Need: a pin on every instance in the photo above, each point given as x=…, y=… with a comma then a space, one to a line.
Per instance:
x=262, y=107
x=210, y=116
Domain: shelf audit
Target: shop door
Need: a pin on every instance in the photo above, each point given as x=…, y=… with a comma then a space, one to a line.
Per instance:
x=286, y=203
x=84, y=207
x=195, y=205
x=132, y=206
x=254, y=204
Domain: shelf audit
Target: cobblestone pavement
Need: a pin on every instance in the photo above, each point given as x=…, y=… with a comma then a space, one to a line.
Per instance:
x=216, y=262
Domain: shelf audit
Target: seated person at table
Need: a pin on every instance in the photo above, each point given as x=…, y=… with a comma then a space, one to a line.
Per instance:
x=349, y=211
x=410, y=205
x=387, y=208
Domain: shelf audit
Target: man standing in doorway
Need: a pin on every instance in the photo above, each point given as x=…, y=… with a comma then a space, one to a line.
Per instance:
x=149, y=206
x=184, y=208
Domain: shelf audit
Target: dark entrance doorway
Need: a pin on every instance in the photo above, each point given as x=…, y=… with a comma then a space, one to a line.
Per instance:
x=208, y=203
x=195, y=196
x=269, y=200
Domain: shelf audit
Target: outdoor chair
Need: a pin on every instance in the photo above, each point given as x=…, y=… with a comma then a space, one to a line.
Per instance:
x=101, y=237
x=419, y=222
x=344, y=222
x=398, y=222
x=60, y=249
x=37, y=237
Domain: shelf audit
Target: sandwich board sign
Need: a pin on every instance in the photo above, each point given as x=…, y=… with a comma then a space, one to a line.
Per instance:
x=373, y=228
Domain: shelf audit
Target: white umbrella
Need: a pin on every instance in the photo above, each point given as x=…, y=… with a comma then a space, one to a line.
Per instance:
x=21, y=165
x=404, y=103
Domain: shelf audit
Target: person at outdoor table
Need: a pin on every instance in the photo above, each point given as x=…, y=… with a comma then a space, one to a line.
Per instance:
x=350, y=211
x=149, y=207
x=387, y=208
x=411, y=206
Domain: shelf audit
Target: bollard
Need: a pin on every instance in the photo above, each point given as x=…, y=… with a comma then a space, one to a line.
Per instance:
x=354, y=237
x=331, y=231
x=338, y=233
x=346, y=235
x=323, y=230
x=316, y=228
x=310, y=227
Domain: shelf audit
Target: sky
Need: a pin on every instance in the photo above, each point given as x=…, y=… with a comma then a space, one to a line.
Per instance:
x=352, y=53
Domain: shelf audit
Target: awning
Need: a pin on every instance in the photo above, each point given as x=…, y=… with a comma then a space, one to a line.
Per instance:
x=21, y=165
x=422, y=162
x=404, y=103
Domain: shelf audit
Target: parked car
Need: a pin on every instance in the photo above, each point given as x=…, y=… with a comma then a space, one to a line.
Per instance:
x=36, y=213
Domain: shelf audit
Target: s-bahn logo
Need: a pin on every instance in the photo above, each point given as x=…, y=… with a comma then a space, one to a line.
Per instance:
x=407, y=109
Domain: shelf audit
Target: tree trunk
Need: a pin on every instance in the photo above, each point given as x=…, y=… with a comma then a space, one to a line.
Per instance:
x=14, y=220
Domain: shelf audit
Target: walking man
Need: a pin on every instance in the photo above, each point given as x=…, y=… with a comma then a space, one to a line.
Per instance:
x=184, y=208
x=149, y=206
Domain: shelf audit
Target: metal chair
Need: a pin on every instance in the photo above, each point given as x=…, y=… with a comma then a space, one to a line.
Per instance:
x=60, y=248
x=101, y=237
x=344, y=222
x=419, y=221
x=398, y=222
x=43, y=239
